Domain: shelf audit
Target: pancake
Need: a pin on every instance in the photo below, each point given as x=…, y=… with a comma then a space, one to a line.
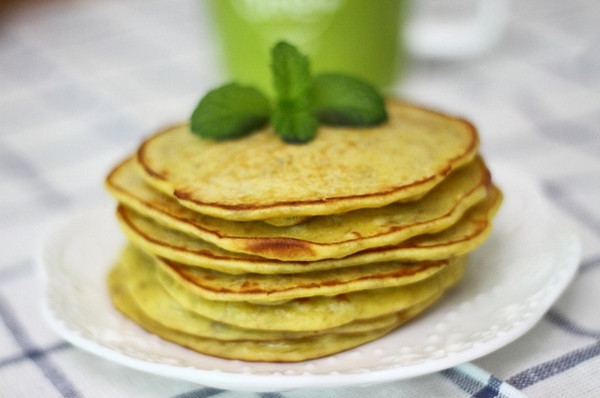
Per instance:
x=260, y=177
x=260, y=288
x=149, y=295
x=282, y=350
x=317, y=312
x=259, y=250
x=319, y=237
x=173, y=245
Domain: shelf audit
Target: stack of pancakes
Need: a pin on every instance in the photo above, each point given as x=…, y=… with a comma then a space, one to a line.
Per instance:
x=259, y=250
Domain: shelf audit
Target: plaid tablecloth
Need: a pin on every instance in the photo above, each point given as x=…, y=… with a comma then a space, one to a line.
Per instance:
x=81, y=82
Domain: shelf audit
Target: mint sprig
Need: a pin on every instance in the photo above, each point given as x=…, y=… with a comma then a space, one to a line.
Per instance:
x=301, y=102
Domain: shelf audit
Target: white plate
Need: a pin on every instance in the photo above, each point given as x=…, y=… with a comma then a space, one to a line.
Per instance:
x=511, y=282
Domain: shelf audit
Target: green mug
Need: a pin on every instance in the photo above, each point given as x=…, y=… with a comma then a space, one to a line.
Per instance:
x=363, y=38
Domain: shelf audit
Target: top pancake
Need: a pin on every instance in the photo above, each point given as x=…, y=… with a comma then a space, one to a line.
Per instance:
x=260, y=177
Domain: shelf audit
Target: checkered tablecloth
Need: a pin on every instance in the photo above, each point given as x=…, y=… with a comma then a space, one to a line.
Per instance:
x=82, y=81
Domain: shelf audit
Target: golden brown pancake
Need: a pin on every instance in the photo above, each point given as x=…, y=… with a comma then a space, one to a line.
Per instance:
x=149, y=295
x=332, y=236
x=282, y=350
x=317, y=312
x=262, y=288
x=164, y=242
x=260, y=177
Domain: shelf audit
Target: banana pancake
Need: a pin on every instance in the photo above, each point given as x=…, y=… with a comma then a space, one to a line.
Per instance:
x=261, y=288
x=281, y=350
x=317, y=312
x=261, y=177
x=149, y=295
x=319, y=237
x=459, y=239
x=255, y=248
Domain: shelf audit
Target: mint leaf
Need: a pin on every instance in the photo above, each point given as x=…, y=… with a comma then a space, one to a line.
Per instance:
x=291, y=72
x=346, y=101
x=230, y=111
x=292, y=118
x=294, y=124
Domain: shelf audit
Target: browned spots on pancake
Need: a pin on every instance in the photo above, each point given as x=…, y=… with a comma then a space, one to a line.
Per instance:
x=249, y=285
x=303, y=300
x=341, y=298
x=183, y=194
x=289, y=248
x=253, y=287
x=124, y=215
x=189, y=196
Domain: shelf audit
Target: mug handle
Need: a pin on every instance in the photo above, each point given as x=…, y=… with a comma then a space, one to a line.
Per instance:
x=454, y=40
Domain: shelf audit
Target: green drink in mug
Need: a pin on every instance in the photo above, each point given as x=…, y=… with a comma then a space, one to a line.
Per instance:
x=363, y=38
